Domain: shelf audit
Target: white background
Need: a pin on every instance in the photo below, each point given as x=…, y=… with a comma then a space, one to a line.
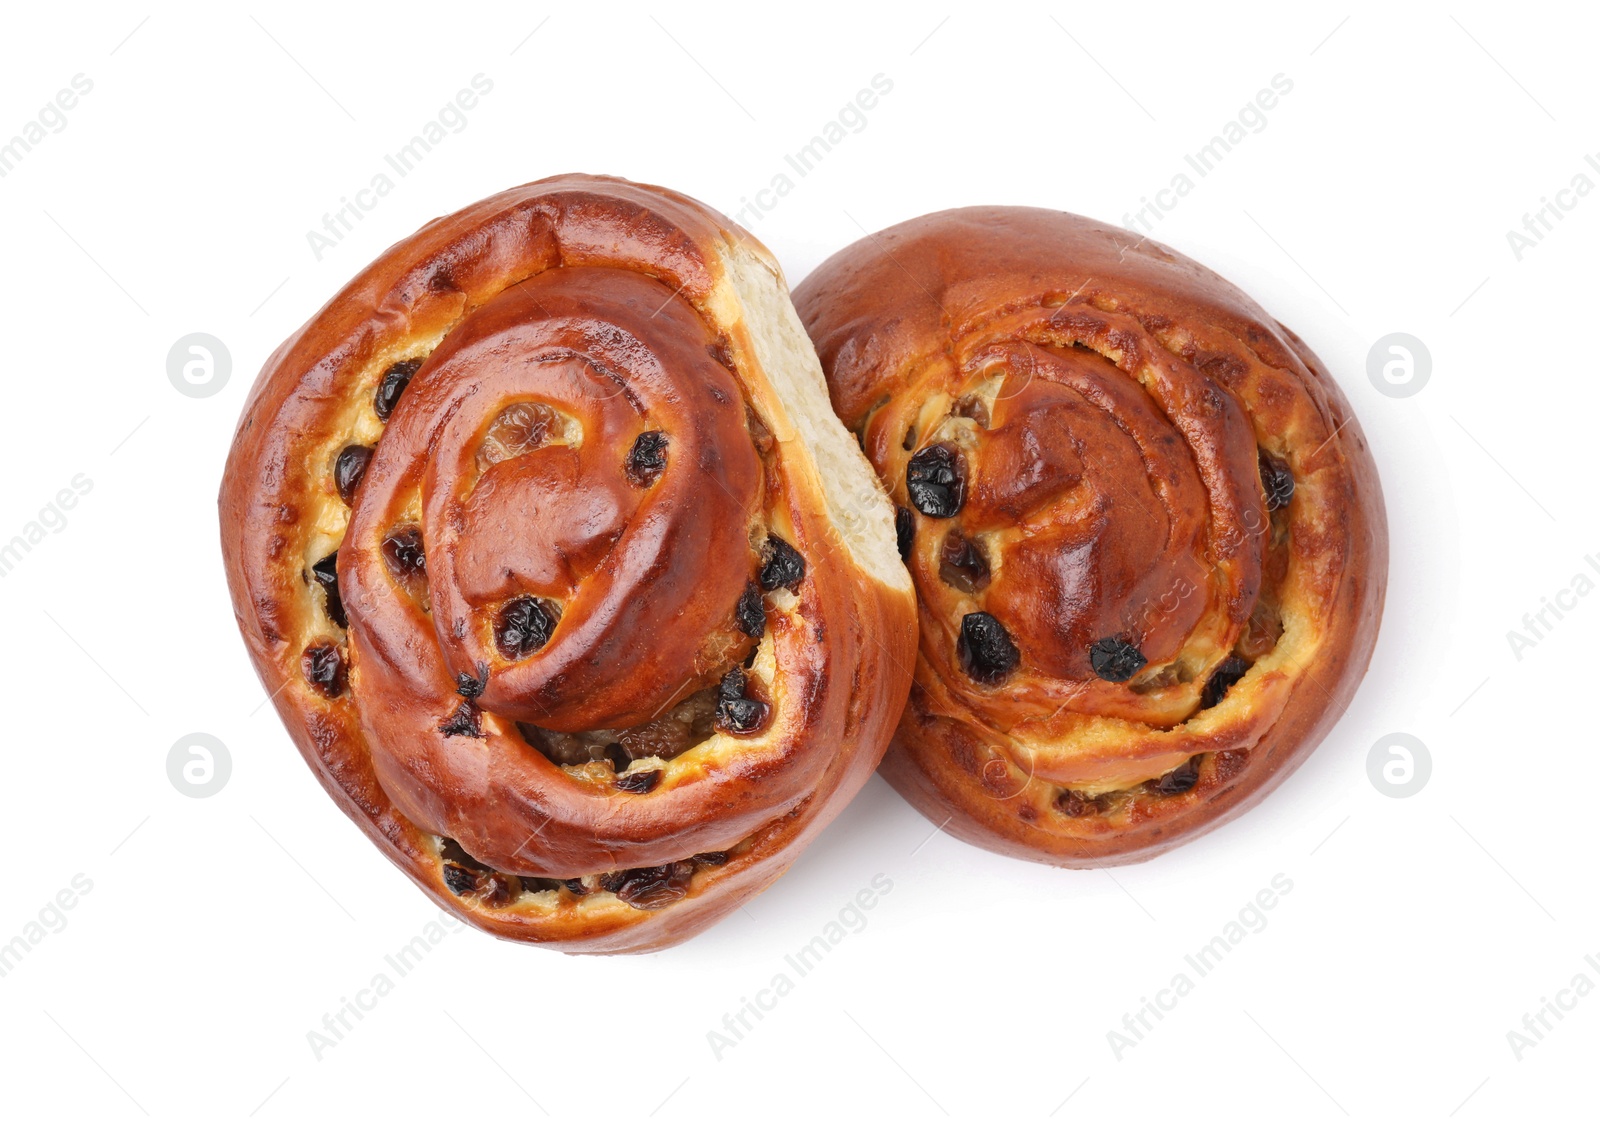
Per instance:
x=1376, y=199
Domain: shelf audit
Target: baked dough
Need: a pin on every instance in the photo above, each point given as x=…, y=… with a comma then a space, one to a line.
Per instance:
x=1146, y=533
x=563, y=576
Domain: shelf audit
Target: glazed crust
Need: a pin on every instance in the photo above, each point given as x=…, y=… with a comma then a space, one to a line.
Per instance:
x=1106, y=434
x=573, y=424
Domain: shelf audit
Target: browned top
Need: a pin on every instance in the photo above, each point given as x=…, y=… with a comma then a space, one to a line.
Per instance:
x=1112, y=413
x=553, y=562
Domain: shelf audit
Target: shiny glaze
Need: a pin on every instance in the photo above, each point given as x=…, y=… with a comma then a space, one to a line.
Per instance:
x=551, y=326
x=1112, y=401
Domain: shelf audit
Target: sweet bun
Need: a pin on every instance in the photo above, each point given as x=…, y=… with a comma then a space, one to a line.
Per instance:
x=1146, y=533
x=560, y=571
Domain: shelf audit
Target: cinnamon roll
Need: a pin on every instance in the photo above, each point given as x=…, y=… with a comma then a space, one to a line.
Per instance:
x=563, y=576
x=1146, y=533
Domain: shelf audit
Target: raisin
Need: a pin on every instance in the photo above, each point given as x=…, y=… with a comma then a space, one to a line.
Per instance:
x=324, y=668
x=713, y=858
x=469, y=686
x=1179, y=780
x=488, y=886
x=647, y=459
x=1077, y=804
x=721, y=352
x=404, y=554
x=936, y=481
x=517, y=430
x=784, y=567
x=985, y=649
x=1225, y=676
x=684, y=725
x=1277, y=481
x=326, y=572
x=973, y=408
x=905, y=528
x=640, y=782
x=962, y=564
x=618, y=754
x=463, y=722
x=576, y=886
x=1115, y=659
x=652, y=888
x=392, y=385
x=737, y=712
x=495, y=889
x=523, y=626
x=750, y=613
x=348, y=468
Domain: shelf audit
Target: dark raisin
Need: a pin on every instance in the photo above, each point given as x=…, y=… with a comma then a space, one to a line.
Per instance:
x=784, y=567
x=750, y=614
x=463, y=722
x=962, y=564
x=404, y=554
x=1277, y=481
x=326, y=569
x=576, y=886
x=470, y=686
x=613, y=881
x=393, y=384
x=618, y=754
x=459, y=880
x=1225, y=676
x=714, y=858
x=326, y=572
x=985, y=649
x=348, y=469
x=488, y=886
x=523, y=626
x=647, y=459
x=639, y=782
x=1179, y=780
x=653, y=888
x=1115, y=659
x=936, y=481
x=495, y=889
x=324, y=668
x=973, y=408
x=1077, y=804
x=905, y=528
x=738, y=713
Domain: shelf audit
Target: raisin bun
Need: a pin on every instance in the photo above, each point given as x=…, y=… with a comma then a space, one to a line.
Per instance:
x=1147, y=536
x=562, y=574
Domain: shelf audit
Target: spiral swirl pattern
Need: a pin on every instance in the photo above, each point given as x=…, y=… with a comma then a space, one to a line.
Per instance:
x=1146, y=535
x=532, y=528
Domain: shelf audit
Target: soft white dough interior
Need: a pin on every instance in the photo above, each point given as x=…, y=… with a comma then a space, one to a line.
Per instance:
x=857, y=504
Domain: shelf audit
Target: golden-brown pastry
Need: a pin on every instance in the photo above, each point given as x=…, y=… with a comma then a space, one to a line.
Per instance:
x=1145, y=530
x=565, y=579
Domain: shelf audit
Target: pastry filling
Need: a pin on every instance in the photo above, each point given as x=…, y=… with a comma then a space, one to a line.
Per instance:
x=647, y=889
